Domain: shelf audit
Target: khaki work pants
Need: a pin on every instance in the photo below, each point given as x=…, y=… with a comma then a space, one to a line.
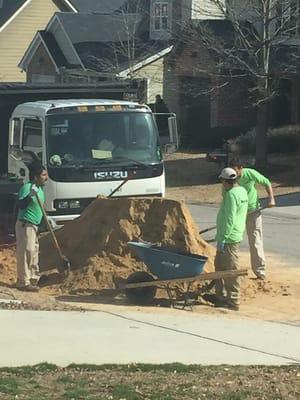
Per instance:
x=224, y=261
x=255, y=240
x=27, y=253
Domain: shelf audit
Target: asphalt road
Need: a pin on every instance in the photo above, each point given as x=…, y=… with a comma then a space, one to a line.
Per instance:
x=281, y=226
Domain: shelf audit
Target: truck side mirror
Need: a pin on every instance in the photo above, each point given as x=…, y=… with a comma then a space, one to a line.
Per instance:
x=173, y=133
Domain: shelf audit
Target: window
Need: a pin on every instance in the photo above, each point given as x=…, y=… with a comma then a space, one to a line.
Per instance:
x=32, y=134
x=161, y=15
x=16, y=127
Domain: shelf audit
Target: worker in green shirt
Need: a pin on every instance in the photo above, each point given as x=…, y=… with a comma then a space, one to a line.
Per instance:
x=231, y=222
x=29, y=218
x=249, y=178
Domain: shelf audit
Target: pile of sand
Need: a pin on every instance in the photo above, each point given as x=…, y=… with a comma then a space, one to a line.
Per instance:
x=96, y=242
x=7, y=266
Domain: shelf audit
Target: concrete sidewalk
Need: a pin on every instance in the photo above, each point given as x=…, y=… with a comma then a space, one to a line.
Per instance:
x=31, y=337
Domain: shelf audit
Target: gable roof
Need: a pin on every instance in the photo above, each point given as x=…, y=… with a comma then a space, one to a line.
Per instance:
x=52, y=48
x=9, y=8
x=98, y=6
x=97, y=42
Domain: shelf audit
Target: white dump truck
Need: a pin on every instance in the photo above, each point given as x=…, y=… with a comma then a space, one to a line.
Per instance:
x=89, y=147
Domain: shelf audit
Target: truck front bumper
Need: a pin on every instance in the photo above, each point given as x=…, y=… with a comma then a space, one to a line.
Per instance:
x=62, y=219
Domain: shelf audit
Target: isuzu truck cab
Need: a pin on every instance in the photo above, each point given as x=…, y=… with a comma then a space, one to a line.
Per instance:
x=89, y=148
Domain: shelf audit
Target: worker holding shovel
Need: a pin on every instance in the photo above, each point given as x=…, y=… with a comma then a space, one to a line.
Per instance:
x=29, y=218
x=248, y=178
x=231, y=222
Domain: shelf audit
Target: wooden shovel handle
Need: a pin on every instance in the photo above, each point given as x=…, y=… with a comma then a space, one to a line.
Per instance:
x=49, y=226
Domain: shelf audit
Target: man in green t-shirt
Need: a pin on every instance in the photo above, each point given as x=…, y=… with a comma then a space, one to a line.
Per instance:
x=29, y=217
x=249, y=178
x=231, y=222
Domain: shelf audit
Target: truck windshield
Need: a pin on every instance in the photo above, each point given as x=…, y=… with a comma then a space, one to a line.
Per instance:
x=92, y=138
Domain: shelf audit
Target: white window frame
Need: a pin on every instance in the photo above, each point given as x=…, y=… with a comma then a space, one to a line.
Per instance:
x=160, y=5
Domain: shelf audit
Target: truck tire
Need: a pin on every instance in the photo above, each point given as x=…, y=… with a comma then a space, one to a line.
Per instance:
x=143, y=295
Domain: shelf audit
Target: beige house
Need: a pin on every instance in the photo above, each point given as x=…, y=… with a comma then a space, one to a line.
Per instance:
x=19, y=21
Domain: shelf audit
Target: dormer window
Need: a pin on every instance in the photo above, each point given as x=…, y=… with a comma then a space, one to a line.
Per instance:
x=161, y=15
x=161, y=19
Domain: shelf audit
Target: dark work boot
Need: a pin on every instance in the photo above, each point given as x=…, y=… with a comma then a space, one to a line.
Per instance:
x=229, y=304
x=29, y=288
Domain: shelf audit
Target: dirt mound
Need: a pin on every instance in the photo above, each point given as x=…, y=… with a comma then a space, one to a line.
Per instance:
x=96, y=242
x=8, y=266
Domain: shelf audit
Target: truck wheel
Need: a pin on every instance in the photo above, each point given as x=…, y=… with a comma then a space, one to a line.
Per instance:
x=143, y=295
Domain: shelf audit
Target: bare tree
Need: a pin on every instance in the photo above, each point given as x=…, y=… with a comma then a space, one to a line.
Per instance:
x=260, y=30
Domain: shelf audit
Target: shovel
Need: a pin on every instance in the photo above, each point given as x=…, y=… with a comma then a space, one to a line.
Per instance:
x=130, y=176
x=214, y=227
x=63, y=269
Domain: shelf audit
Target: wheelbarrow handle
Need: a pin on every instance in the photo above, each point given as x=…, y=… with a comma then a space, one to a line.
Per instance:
x=208, y=229
x=214, y=227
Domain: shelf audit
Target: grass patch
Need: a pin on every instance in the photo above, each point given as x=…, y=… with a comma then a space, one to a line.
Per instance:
x=123, y=391
x=9, y=385
x=152, y=382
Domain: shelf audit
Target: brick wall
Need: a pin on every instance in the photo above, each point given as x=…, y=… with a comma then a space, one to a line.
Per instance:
x=229, y=104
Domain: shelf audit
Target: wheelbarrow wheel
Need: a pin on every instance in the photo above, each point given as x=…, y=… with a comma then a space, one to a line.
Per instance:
x=142, y=295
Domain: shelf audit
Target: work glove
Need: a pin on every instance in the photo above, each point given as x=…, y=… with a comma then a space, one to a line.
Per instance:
x=34, y=190
x=221, y=247
x=271, y=203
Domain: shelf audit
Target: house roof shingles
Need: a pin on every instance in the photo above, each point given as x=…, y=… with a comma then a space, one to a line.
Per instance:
x=84, y=27
x=9, y=7
x=98, y=6
x=111, y=56
x=99, y=40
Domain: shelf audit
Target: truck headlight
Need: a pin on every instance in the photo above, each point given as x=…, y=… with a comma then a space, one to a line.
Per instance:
x=63, y=204
x=74, y=204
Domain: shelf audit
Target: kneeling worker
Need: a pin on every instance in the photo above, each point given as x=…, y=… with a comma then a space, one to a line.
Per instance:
x=231, y=223
x=29, y=218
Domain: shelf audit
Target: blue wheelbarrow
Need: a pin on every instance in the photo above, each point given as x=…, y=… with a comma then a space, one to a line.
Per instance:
x=166, y=268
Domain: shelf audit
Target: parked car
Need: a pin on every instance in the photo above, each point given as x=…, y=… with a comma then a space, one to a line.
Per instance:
x=219, y=156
